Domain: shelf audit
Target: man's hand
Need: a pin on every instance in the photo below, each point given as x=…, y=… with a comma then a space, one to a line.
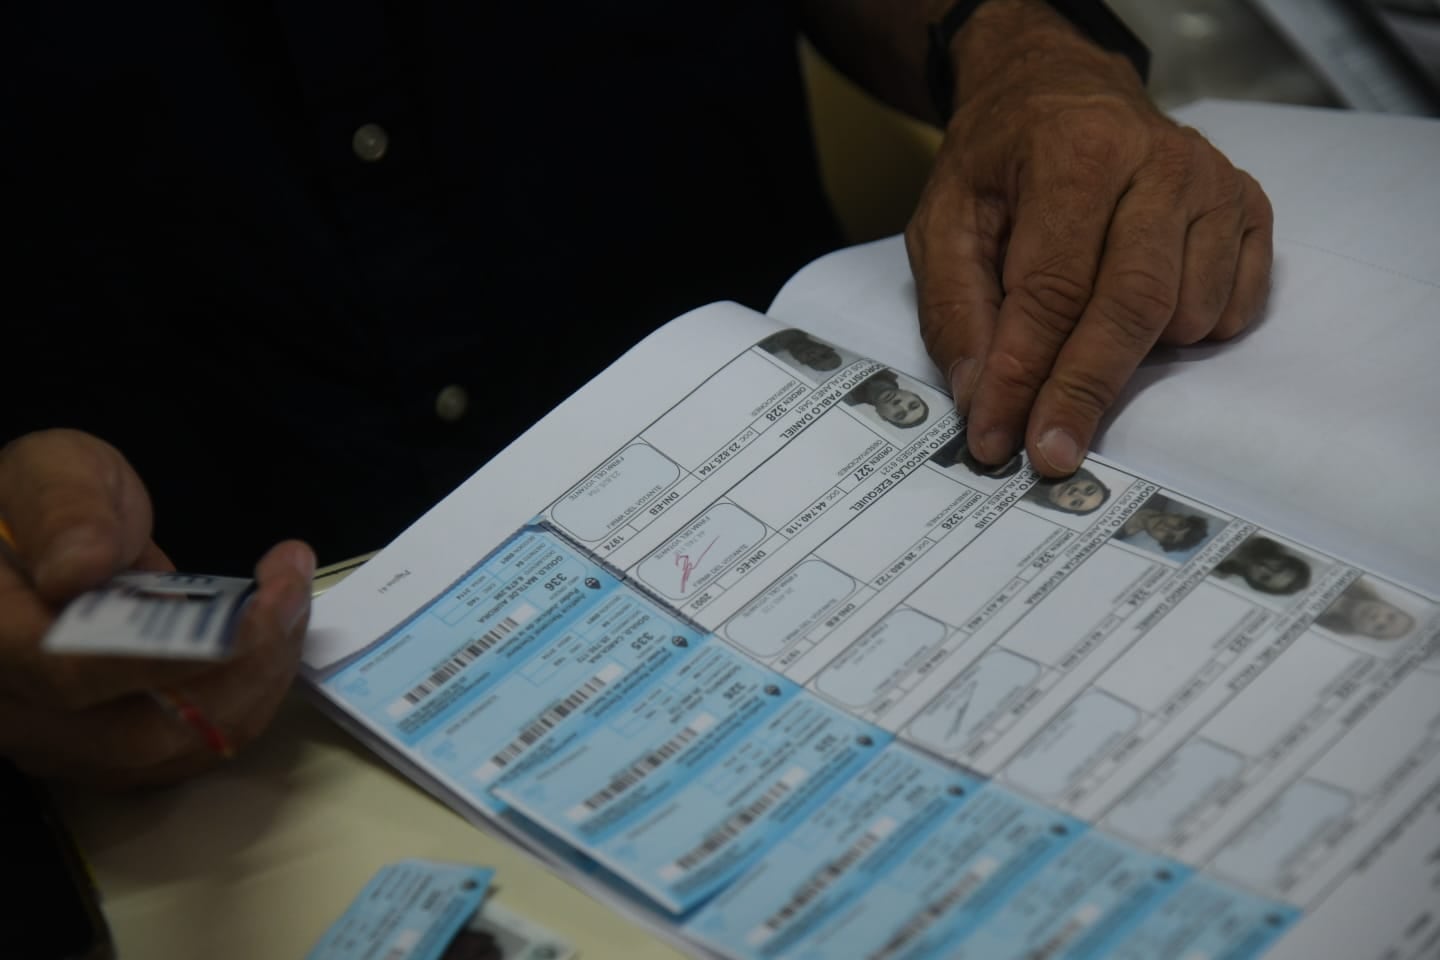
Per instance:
x=1068, y=226
x=80, y=515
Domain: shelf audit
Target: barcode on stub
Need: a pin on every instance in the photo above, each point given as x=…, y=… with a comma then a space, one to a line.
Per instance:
x=642, y=768
x=734, y=826
x=463, y=657
x=547, y=721
x=822, y=880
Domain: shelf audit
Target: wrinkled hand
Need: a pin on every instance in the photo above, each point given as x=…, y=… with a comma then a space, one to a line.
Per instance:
x=1068, y=226
x=80, y=514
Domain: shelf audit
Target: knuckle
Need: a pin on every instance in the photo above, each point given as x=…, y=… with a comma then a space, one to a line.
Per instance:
x=957, y=320
x=1229, y=327
x=1083, y=393
x=1225, y=189
x=1092, y=139
x=1189, y=326
x=1179, y=159
x=1052, y=300
x=1011, y=374
x=941, y=196
x=952, y=323
x=1183, y=146
x=915, y=234
x=1230, y=186
x=912, y=241
x=1238, y=315
x=1139, y=307
x=938, y=321
x=1226, y=195
x=1263, y=213
x=1091, y=145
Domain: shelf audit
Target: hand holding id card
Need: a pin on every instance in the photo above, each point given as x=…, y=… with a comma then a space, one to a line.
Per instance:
x=95, y=626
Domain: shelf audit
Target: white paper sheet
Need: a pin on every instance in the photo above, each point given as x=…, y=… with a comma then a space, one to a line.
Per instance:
x=724, y=596
x=1324, y=420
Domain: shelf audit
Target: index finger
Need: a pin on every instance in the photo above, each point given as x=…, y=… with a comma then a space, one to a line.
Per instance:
x=1060, y=223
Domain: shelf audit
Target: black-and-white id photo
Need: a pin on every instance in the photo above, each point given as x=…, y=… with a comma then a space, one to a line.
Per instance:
x=1268, y=569
x=1376, y=615
x=1078, y=499
x=811, y=357
x=1169, y=528
x=899, y=406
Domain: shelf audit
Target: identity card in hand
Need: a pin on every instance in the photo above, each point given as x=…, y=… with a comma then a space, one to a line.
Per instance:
x=176, y=616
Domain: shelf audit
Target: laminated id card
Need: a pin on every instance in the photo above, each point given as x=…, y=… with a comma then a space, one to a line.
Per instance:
x=177, y=616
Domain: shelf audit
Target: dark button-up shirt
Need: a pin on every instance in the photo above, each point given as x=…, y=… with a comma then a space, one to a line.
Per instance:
x=309, y=264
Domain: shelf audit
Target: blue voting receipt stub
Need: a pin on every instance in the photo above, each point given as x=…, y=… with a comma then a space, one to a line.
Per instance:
x=410, y=910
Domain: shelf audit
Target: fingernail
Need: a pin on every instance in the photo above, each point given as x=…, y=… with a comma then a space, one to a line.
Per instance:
x=295, y=605
x=963, y=375
x=996, y=445
x=1059, y=450
x=304, y=563
x=298, y=603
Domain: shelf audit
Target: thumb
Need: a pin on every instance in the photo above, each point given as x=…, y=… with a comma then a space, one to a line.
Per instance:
x=78, y=511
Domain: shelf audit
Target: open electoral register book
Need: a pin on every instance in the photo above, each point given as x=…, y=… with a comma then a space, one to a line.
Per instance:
x=741, y=640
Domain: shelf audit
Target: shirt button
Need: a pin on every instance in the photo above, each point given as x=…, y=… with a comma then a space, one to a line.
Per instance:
x=370, y=142
x=451, y=403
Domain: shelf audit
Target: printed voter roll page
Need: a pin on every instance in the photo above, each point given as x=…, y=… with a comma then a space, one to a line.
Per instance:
x=744, y=636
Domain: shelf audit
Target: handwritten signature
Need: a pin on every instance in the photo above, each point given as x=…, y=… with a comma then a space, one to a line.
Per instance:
x=687, y=566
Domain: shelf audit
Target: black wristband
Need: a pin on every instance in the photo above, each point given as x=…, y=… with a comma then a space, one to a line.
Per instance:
x=1091, y=17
